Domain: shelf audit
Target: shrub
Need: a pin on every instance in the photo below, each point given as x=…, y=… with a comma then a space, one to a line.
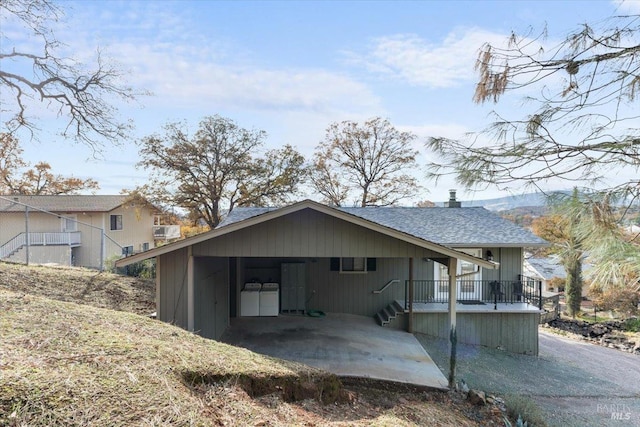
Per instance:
x=632, y=324
x=110, y=263
x=144, y=269
x=522, y=408
x=622, y=300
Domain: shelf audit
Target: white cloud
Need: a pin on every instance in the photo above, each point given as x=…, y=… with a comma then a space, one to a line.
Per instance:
x=179, y=77
x=420, y=62
x=160, y=52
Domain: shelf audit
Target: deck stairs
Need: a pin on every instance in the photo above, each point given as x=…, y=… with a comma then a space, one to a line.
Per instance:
x=389, y=313
x=15, y=255
x=14, y=246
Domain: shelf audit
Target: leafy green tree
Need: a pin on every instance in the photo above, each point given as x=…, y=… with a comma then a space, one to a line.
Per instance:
x=615, y=254
x=587, y=225
x=217, y=169
x=369, y=162
x=568, y=214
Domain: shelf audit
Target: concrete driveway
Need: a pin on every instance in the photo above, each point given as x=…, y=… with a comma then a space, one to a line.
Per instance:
x=344, y=344
x=574, y=383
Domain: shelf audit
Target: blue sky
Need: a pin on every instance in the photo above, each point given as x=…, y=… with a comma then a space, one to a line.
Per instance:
x=292, y=68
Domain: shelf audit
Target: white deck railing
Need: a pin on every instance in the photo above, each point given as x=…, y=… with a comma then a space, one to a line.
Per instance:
x=73, y=238
x=166, y=232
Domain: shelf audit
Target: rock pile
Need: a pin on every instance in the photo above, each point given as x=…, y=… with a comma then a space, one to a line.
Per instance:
x=608, y=334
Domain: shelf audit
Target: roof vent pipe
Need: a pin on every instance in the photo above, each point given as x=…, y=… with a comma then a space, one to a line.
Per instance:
x=452, y=203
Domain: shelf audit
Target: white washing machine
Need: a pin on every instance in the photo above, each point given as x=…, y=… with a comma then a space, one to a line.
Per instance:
x=250, y=300
x=270, y=299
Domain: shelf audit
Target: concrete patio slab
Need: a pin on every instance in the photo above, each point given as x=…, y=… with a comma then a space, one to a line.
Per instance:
x=343, y=344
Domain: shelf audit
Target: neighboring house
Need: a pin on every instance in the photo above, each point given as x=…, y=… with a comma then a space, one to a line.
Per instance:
x=75, y=230
x=548, y=268
x=545, y=269
x=390, y=263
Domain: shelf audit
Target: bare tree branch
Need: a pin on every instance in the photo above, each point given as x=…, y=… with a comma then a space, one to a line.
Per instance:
x=370, y=159
x=585, y=119
x=77, y=93
x=15, y=178
x=217, y=169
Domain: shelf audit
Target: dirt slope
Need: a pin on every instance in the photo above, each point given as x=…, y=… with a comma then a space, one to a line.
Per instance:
x=82, y=286
x=64, y=363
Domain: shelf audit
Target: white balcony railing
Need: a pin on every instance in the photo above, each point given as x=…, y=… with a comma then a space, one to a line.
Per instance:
x=166, y=232
x=73, y=238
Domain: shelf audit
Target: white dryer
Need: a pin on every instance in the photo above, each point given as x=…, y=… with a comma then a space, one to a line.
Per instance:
x=270, y=299
x=250, y=300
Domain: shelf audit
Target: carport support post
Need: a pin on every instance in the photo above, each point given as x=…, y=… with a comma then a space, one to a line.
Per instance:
x=190, y=296
x=158, y=288
x=410, y=322
x=26, y=234
x=453, y=339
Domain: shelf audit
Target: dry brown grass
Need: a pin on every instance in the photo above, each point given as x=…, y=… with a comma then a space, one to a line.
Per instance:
x=82, y=286
x=62, y=363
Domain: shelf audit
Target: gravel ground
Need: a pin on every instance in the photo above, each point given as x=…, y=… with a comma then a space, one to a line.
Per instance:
x=573, y=382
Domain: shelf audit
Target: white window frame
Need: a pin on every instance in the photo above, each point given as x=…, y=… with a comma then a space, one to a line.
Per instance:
x=67, y=220
x=121, y=222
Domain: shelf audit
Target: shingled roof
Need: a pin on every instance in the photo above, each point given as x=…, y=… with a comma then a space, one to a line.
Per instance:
x=247, y=217
x=63, y=203
x=453, y=227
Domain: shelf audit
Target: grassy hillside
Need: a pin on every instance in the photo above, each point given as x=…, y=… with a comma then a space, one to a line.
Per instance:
x=82, y=286
x=64, y=363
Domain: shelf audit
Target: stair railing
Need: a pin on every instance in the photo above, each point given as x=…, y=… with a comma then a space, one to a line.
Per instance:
x=12, y=245
x=68, y=238
x=384, y=288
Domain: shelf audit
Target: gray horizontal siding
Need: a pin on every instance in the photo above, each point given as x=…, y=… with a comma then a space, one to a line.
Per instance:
x=513, y=332
x=308, y=233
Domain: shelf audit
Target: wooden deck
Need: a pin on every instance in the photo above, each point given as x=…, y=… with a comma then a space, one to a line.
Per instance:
x=511, y=327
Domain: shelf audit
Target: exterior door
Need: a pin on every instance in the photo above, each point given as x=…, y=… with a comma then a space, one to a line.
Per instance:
x=468, y=284
x=292, y=287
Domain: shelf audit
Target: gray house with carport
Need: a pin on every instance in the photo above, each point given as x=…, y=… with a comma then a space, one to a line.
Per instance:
x=391, y=263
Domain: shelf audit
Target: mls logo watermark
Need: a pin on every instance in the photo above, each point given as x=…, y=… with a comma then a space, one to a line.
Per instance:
x=618, y=412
